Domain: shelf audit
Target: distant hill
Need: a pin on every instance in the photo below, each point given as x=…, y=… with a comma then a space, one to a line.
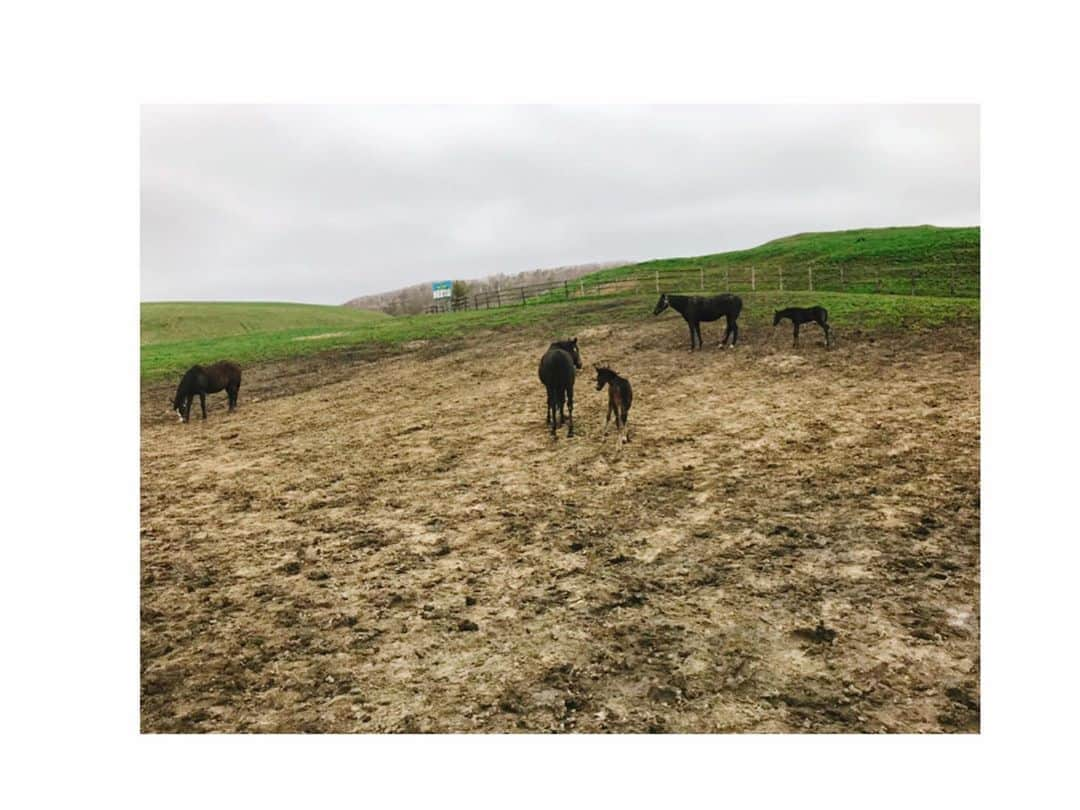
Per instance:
x=417, y=298
x=173, y=321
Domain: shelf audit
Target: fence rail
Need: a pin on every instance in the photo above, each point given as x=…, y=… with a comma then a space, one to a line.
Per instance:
x=935, y=280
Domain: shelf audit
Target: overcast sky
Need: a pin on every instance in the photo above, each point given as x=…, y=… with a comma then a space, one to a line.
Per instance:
x=322, y=204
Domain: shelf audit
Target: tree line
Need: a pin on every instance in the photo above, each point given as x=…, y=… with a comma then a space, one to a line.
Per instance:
x=417, y=298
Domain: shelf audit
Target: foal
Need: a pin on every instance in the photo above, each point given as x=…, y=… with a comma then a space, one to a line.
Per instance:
x=801, y=315
x=620, y=395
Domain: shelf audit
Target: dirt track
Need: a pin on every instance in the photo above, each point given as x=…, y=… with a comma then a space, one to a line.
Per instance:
x=790, y=542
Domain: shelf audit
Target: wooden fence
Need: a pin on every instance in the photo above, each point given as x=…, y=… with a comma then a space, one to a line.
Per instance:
x=946, y=280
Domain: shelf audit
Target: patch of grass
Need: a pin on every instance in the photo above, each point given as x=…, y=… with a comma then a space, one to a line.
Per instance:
x=167, y=358
x=548, y=321
x=172, y=321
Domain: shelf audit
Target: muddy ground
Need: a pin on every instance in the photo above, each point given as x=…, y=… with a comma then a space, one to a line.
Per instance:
x=789, y=543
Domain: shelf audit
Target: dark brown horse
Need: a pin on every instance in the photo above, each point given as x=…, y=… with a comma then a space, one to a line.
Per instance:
x=557, y=370
x=203, y=380
x=695, y=309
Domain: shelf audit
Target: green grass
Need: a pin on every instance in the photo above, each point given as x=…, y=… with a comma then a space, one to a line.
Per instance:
x=943, y=261
x=177, y=320
x=166, y=358
x=163, y=356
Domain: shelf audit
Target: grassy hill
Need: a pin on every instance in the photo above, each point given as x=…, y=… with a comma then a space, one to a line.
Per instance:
x=171, y=321
x=176, y=335
x=943, y=261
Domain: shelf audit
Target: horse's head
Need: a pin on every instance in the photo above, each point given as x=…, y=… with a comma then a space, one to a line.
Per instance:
x=777, y=317
x=662, y=304
x=571, y=348
x=604, y=375
x=174, y=406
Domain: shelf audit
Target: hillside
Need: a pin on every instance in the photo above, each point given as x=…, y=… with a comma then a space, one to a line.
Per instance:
x=169, y=321
x=943, y=261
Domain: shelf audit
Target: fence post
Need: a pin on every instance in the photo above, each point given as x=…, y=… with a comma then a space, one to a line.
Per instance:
x=727, y=280
x=842, y=285
x=753, y=280
x=810, y=277
x=566, y=289
x=952, y=281
x=781, y=279
x=582, y=285
x=656, y=273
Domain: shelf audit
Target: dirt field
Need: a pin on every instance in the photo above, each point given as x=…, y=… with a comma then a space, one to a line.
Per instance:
x=789, y=543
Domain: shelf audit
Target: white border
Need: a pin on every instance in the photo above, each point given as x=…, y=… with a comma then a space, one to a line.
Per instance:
x=71, y=179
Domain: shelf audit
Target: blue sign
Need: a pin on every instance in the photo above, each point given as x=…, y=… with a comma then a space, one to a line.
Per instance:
x=441, y=289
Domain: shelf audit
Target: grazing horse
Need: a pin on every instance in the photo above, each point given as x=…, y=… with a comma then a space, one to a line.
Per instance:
x=557, y=370
x=620, y=395
x=801, y=315
x=696, y=309
x=206, y=380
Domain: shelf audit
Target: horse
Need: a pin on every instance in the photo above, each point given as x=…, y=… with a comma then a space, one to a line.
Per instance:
x=801, y=315
x=620, y=395
x=206, y=380
x=557, y=370
x=696, y=309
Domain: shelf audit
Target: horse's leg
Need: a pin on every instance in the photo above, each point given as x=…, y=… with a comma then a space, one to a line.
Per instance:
x=607, y=419
x=188, y=400
x=570, y=407
x=202, y=401
x=828, y=339
x=691, y=325
x=234, y=392
x=734, y=333
x=795, y=345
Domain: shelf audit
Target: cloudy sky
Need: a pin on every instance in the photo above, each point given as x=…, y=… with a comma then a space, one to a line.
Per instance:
x=322, y=204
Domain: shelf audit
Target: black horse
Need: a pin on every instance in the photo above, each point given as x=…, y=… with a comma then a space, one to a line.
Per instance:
x=696, y=309
x=620, y=395
x=557, y=370
x=206, y=380
x=800, y=315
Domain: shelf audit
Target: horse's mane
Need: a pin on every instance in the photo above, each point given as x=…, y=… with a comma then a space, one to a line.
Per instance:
x=609, y=370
